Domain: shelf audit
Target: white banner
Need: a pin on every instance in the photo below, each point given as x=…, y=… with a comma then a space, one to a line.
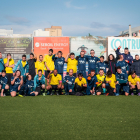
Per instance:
x=133, y=44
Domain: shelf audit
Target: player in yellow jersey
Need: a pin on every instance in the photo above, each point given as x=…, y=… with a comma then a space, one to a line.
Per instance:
x=71, y=63
x=39, y=65
x=49, y=63
x=9, y=65
x=55, y=83
x=80, y=85
x=134, y=83
x=110, y=83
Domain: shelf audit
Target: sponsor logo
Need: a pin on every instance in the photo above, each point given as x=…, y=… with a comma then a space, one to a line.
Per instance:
x=37, y=44
x=82, y=62
x=92, y=61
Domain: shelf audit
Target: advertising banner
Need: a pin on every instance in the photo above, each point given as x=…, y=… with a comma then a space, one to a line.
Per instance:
x=132, y=43
x=98, y=44
x=43, y=44
x=17, y=46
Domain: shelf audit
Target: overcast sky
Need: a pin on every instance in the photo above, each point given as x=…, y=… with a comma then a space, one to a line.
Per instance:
x=77, y=17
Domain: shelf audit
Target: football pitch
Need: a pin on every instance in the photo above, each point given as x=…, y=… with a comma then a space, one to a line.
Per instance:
x=70, y=118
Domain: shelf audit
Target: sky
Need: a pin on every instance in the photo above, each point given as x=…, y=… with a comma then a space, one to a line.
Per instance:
x=77, y=17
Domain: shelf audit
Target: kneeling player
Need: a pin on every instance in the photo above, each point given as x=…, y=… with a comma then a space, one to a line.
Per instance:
x=3, y=83
x=91, y=83
x=122, y=82
x=39, y=82
x=110, y=83
x=16, y=83
x=134, y=83
x=101, y=86
x=55, y=83
x=29, y=87
x=80, y=84
x=69, y=83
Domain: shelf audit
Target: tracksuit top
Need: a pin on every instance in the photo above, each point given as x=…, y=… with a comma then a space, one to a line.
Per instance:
x=122, y=77
x=92, y=82
x=16, y=84
x=29, y=86
x=59, y=63
x=124, y=66
x=2, y=67
x=3, y=81
x=71, y=80
x=92, y=61
x=101, y=65
x=38, y=82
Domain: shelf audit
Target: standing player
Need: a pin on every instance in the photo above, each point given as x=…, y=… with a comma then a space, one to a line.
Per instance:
x=49, y=63
x=31, y=63
x=59, y=63
x=55, y=83
x=39, y=65
x=91, y=83
x=92, y=61
x=69, y=83
x=101, y=65
x=134, y=83
x=9, y=65
x=71, y=63
x=101, y=87
x=122, y=82
x=3, y=83
x=82, y=64
x=16, y=83
x=2, y=67
x=39, y=82
x=136, y=65
x=121, y=63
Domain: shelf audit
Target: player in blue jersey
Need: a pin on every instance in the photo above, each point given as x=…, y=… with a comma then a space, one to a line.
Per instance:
x=122, y=82
x=92, y=61
x=59, y=63
x=123, y=64
x=29, y=87
x=3, y=83
x=82, y=64
x=101, y=65
x=91, y=83
x=69, y=83
x=16, y=83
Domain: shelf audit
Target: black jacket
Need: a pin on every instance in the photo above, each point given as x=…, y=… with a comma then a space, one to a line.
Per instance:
x=136, y=66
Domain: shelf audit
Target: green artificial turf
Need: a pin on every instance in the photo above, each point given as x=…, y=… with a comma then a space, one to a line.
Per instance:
x=70, y=117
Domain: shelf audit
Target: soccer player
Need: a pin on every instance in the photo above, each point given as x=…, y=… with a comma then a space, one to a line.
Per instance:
x=91, y=83
x=122, y=82
x=9, y=65
x=69, y=83
x=71, y=63
x=126, y=55
x=29, y=87
x=55, y=83
x=59, y=63
x=2, y=67
x=39, y=82
x=3, y=83
x=82, y=64
x=16, y=83
x=136, y=65
x=100, y=85
x=92, y=61
x=101, y=65
x=80, y=84
x=110, y=83
x=134, y=83
x=40, y=65
x=121, y=63
x=23, y=66
x=31, y=63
